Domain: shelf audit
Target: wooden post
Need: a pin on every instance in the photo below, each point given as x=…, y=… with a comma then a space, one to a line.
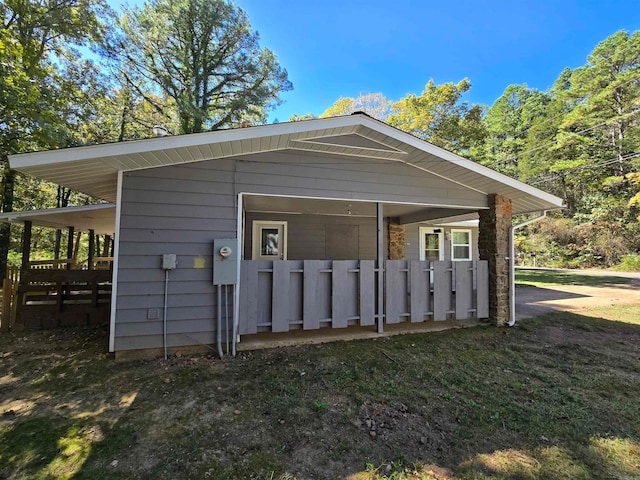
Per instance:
x=380, y=254
x=6, y=305
x=70, y=247
x=26, y=245
x=92, y=247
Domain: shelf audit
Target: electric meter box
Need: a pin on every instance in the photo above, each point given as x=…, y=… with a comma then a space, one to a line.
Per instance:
x=225, y=261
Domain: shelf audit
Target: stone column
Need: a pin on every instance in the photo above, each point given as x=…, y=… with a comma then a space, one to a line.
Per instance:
x=396, y=240
x=493, y=244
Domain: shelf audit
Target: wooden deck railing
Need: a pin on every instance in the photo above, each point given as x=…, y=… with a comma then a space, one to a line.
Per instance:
x=48, y=298
x=310, y=294
x=97, y=263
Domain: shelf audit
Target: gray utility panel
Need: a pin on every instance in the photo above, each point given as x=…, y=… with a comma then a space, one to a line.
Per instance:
x=225, y=255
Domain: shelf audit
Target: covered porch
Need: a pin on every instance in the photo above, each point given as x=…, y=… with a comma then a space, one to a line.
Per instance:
x=315, y=265
x=67, y=291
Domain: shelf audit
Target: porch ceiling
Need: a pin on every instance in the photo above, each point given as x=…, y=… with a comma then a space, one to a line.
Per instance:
x=94, y=169
x=406, y=213
x=100, y=218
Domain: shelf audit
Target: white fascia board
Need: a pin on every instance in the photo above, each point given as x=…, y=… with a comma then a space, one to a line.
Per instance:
x=73, y=154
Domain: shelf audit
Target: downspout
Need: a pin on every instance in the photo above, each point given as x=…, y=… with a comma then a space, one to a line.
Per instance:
x=512, y=267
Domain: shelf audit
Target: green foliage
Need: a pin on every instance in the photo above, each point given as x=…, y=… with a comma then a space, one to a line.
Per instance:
x=373, y=104
x=198, y=63
x=560, y=242
x=320, y=406
x=579, y=141
x=300, y=118
x=439, y=116
x=507, y=122
x=47, y=90
x=629, y=263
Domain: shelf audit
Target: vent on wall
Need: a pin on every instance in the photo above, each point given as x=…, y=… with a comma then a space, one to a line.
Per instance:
x=153, y=314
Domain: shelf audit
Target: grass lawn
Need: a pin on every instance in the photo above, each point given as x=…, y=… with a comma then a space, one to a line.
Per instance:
x=538, y=278
x=558, y=397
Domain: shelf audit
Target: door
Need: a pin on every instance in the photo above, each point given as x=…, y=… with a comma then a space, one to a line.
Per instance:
x=431, y=244
x=269, y=240
x=341, y=242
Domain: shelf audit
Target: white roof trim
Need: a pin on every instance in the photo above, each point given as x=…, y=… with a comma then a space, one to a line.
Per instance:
x=107, y=152
x=72, y=154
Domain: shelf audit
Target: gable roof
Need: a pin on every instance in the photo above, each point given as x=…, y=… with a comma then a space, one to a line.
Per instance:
x=94, y=169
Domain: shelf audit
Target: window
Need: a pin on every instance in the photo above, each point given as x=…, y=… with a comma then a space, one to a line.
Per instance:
x=431, y=244
x=461, y=245
x=269, y=240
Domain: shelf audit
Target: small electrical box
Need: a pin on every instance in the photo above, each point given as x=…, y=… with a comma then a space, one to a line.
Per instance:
x=225, y=266
x=169, y=261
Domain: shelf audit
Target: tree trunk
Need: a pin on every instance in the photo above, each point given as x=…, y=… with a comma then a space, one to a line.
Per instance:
x=8, y=183
x=62, y=200
x=105, y=248
x=56, y=247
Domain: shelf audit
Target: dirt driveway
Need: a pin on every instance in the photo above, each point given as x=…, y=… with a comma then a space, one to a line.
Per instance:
x=533, y=301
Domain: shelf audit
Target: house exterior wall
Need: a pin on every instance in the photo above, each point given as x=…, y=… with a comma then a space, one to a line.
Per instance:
x=308, y=235
x=412, y=250
x=181, y=209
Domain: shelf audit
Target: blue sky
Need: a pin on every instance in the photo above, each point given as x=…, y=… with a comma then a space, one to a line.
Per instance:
x=343, y=48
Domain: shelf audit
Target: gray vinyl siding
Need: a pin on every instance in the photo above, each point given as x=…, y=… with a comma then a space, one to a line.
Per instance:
x=412, y=240
x=303, y=174
x=171, y=210
x=307, y=235
x=181, y=209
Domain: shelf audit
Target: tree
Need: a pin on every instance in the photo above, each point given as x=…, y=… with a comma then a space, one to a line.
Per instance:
x=373, y=104
x=439, y=116
x=300, y=118
x=507, y=123
x=606, y=93
x=197, y=62
x=44, y=85
x=122, y=115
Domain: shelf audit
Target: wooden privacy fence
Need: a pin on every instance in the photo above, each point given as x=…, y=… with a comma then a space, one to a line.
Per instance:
x=309, y=294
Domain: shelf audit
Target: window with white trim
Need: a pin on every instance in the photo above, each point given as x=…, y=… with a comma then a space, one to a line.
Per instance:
x=460, y=244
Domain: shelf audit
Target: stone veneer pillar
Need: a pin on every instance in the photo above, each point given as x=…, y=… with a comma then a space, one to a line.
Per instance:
x=493, y=244
x=396, y=240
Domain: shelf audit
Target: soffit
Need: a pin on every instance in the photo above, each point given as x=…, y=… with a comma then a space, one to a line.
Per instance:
x=99, y=218
x=348, y=208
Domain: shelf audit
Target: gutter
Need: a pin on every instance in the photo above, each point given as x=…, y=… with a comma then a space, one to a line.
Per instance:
x=512, y=266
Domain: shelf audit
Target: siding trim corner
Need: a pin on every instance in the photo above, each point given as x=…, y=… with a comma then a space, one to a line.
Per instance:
x=116, y=254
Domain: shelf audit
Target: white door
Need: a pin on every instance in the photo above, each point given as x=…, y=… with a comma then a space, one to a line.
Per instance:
x=269, y=240
x=431, y=243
